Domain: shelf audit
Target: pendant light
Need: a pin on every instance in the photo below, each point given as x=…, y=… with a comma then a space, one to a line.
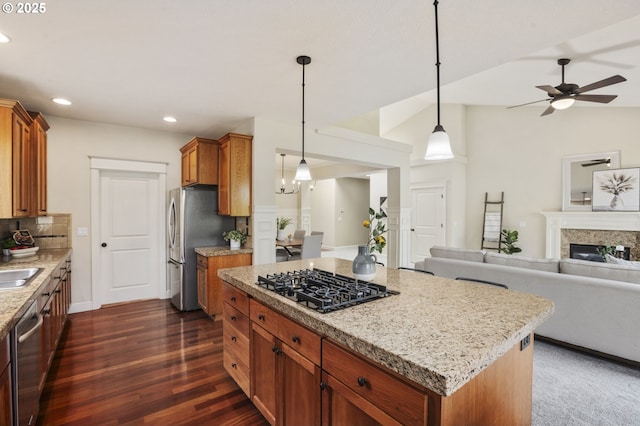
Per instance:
x=283, y=189
x=438, y=145
x=303, y=172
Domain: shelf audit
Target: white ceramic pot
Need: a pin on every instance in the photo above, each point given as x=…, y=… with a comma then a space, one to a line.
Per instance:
x=235, y=244
x=282, y=234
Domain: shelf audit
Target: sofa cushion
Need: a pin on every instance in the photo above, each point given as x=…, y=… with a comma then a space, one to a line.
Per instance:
x=607, y=271
x=546, y=265
x=457, y=253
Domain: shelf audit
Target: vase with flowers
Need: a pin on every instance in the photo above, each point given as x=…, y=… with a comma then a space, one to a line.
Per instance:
x=364, y=264
x=281, y=224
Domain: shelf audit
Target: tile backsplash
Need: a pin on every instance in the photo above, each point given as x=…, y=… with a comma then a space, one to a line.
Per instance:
x=51, y=231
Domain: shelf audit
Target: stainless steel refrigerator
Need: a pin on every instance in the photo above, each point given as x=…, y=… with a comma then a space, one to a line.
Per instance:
x=192, y=222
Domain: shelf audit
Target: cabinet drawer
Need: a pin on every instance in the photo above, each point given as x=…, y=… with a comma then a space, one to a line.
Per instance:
x=202, y=261
x=235, y=342
x=303, y=340
x=265, y=317
x=397, y=398
x=238, y=370
x=237, y=319
x=236, y=298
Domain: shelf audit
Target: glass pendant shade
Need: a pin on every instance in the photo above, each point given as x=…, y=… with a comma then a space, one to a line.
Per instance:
x=303, y=172
x=562, y=102
x=438, y=145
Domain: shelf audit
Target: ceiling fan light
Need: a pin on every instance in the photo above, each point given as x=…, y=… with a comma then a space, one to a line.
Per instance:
x=303, y=172
x=438, y=145
x=562, y=102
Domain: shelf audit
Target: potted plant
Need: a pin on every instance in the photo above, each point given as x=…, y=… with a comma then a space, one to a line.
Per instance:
x=7, y=244
x=509, y=239
x=282, y=223
x=236, y=238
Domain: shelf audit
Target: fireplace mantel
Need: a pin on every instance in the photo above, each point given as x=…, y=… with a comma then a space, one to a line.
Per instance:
x=607, y=221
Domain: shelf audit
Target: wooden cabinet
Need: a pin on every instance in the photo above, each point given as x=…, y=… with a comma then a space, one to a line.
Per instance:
x=285, y=372
x=356, y=388
x=39, y=129
x=209, y=285
x=234, y=166
x=15, y=160
x=200, y=162
x=6, y=411
x=235, y=330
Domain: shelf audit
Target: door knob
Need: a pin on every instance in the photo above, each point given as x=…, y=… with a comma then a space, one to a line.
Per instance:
x=103, y=244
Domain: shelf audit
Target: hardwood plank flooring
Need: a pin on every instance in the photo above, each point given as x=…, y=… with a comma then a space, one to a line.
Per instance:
x=143, y=363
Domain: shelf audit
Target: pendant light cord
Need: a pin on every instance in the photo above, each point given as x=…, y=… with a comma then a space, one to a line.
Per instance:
x=303, y=66
x=435, y=4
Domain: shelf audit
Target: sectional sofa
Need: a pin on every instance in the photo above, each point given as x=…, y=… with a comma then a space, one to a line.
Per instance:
x=597, y=305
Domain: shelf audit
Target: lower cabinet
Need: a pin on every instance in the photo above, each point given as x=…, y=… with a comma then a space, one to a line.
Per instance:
x=285, y=358
x=6, y=412
x=235, y=335
x=209, y=285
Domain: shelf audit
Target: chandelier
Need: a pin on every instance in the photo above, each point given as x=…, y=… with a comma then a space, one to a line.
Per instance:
x=283, y=189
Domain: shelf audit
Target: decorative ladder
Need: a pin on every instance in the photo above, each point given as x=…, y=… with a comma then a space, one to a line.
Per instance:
x=492, y=224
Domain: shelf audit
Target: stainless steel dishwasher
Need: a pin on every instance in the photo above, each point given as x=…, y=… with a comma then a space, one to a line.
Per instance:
x=27, y=366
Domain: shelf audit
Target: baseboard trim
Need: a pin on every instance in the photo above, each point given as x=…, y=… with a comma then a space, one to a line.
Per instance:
x=597, y=354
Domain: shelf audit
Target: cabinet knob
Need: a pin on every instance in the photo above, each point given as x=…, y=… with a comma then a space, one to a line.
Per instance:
x=362, y=381
x=295, y=339
x=233, y=317
x=261, y=317
x=323, y=385
x=233, y=338
x=103, y=244
x=233, y=298
x=276, y=350
x=234, y=365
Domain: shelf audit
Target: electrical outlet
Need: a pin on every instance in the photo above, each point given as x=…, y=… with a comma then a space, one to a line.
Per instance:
x=525, y=342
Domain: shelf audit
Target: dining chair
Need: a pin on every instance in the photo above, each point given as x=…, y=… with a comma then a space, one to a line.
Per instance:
x=475, y=280
x=298, y=234
x=281, y=255
x=311, y=247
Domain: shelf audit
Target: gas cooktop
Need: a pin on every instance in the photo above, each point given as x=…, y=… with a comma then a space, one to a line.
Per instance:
x=323, y=291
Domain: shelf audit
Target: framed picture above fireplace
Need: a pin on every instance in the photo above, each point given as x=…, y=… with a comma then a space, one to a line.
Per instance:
x=616, y=190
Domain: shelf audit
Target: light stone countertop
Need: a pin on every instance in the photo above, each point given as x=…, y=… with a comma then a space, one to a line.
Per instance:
x=438, y=332
x=222, y=251
x=14, y=302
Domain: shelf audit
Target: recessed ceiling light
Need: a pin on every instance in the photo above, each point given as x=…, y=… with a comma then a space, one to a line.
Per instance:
x=61, y=101
x=4, y=38
x=170, y=119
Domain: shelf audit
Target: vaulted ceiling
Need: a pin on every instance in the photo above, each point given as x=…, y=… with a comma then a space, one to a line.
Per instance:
x=213, y=64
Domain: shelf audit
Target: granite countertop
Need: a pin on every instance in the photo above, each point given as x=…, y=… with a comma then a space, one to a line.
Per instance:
x=14, y=302
x=222, y=251
x=437, y=332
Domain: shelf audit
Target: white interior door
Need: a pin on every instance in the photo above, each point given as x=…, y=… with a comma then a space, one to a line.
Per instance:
x=129, y=214
x=428, y=226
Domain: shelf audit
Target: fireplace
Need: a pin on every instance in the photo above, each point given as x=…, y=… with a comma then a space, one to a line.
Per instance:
x=592, y=252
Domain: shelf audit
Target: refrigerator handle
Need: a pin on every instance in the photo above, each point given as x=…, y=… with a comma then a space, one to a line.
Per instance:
x=174, y=262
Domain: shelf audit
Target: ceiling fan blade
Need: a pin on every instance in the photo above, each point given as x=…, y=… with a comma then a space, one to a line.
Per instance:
x=603, y=99
x=550, y=90
x=548, y=111
x=528, y=103
x=602, y=83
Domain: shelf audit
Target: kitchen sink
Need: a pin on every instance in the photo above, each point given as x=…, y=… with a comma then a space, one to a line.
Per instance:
x=17, y=278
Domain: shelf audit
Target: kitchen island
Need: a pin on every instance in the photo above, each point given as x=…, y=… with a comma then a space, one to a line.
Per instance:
x=466, y=348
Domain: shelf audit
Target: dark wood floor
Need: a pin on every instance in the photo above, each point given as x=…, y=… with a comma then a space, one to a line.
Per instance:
x=143, y=363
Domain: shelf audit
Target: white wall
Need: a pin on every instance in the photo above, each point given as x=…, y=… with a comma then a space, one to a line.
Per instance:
x=70, y=144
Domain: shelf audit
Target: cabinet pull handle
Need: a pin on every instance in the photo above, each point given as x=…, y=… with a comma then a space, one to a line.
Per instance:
x=233, y=298
x=233, y=317
x=47, y=294
x=323, y=385
x=276, y=350
x=295, y=339
x=233, y=338
x=362, y=381
x=234, y=365
x=261, y=317
x=58, y=290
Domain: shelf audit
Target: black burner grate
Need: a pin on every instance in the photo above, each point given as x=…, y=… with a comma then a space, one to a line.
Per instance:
x=321, y=290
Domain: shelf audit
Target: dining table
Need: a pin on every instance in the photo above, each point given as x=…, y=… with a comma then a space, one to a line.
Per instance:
x=289, y=243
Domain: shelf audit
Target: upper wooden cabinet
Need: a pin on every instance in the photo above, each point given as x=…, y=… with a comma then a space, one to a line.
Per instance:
x=200, y=162
x=234, y=187
x=16, y=160
x=39, y=129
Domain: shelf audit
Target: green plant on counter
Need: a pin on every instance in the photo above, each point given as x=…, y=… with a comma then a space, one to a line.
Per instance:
x=283, y=222
x=8, y=243
x=509, y=239
x=234, y=235
x=605, y=250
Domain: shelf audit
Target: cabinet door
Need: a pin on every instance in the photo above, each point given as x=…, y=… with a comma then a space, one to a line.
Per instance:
x=203, y=297
x=300, y=389
x=39, y=186
x=263, y=372
x=5, y=384
x=224, y=206
x=21, y=168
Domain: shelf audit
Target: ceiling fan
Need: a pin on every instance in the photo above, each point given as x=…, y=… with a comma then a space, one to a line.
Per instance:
x=564, y=95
